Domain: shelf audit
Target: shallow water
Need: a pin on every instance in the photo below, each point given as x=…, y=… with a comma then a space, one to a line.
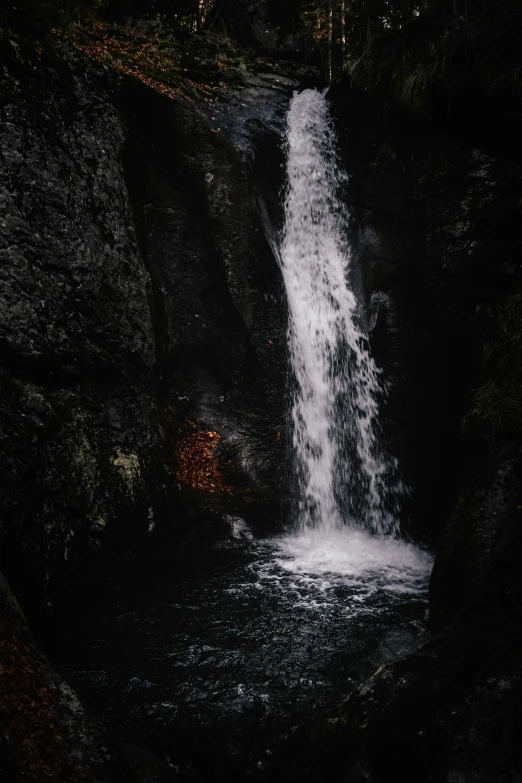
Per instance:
x=216, y=666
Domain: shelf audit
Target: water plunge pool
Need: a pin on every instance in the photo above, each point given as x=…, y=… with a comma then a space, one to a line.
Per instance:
x=215, y=664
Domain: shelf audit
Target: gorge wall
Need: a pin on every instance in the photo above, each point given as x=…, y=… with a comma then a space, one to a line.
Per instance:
x=139, y=295
x=440, y=235
x=142, y=364
x=142, y=348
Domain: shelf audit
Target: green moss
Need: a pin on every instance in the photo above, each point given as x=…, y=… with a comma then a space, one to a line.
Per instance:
x=167, y=73
x=497, y=403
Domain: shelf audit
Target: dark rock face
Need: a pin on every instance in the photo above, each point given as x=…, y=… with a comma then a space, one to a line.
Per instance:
x=440, y=243
x=476, y=573
x=222, y=346
x=439, y=236
x=45, y=732
x=142, y=340
x=449, y=711
x=142, y=366
x=80, y=435
x=49, y=736
x=138, y=292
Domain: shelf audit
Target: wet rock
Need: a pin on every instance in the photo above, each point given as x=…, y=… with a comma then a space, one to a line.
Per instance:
x=46, y=733
x=219, y=301
x=439, y=238
x=76, y=333
x=476, y=574
x=439, y=241
x=138, y=291
x=447, y=711
x=142, y=303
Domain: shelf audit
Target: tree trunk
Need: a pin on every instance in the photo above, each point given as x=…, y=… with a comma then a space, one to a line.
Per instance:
x=330, y=40
x=343, y=32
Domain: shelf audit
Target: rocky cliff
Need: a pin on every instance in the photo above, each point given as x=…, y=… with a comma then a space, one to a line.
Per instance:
x=142, y=332
x=440, y=238
x=141, y=306
x=142, y=363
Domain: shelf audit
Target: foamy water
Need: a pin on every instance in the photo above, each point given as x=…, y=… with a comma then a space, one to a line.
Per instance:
x=313, y=566
x=342, y=474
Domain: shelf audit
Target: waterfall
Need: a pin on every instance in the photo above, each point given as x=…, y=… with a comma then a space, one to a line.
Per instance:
x=343, y=478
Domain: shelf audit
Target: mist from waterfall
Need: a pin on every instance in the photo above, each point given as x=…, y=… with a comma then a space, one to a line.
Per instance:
x=343, y=477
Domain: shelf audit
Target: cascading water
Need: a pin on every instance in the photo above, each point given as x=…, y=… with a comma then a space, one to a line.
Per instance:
x=220, y=660
x=342, y=476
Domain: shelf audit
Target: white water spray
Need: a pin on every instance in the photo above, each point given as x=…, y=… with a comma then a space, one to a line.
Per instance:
x=343, y=477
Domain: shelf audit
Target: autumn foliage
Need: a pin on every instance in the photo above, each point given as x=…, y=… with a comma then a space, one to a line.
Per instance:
x=161, y=65
x=29, y=712
x=197, y=462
